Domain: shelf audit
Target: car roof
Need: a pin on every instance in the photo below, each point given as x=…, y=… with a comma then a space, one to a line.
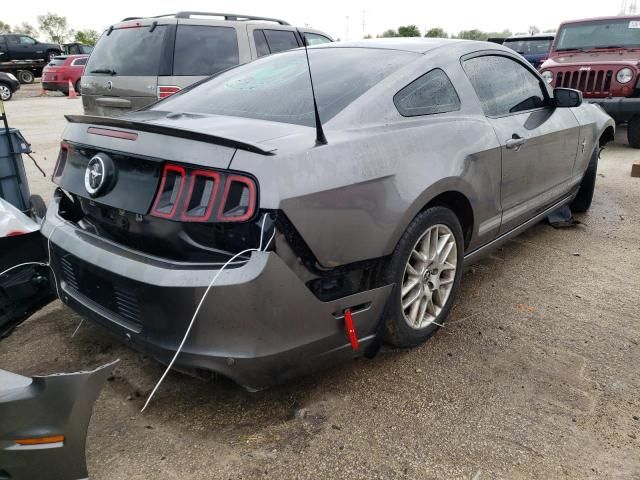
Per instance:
x=537, y=36
x=595, y=19
x=408, y=44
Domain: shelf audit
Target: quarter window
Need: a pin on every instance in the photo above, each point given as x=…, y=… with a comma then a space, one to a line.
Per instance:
x=262, y=48
x=205, y=50
x=280, y=40
x=503, y=85
x=315, y=38
x=432, y=93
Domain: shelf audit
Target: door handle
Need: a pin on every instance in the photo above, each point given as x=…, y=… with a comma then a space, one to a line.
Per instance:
x=515, y=142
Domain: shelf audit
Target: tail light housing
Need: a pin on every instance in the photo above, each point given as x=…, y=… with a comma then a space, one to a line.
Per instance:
x=167, y=90
x=203, y=195
x=61, y=162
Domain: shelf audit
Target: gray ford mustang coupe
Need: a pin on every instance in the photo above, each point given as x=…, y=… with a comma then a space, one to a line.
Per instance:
x=435, y=151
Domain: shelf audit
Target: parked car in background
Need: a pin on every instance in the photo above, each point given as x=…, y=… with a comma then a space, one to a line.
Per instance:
x=77, y=49
x=140, y=60
x=16, y=46
x=601, y=58
x=428, y=160
x=535, y=48
x=9, y=84
x=61, y=70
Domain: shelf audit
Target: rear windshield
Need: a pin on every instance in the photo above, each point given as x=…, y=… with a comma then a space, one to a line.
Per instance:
x=531, y=46
x=599, y=33
x=277, y=87
x=128, y=52
x=57, y=61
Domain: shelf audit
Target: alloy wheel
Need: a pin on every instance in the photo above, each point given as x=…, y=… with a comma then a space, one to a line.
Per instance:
x=5, y=92
x=429, y=276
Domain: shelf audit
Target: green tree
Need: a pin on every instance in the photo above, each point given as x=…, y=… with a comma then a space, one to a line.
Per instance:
x=26, y=28
x=55, y=26
x=388, y=33
x=436, y=32
x=4, y=27
x=533, y=30
x=88, y=37
x=473, y=34
x=409, y=31
x=367, y=36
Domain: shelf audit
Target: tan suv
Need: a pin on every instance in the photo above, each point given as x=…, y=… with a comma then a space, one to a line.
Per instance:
x=140, y=60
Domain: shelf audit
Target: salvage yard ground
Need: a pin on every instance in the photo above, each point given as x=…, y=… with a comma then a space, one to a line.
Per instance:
x=536, y=375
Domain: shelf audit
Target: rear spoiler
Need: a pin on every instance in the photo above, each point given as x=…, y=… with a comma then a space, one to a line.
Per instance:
x=259, y=148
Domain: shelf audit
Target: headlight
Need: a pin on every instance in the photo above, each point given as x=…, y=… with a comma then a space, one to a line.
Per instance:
x=624, y=75
x=548, y=76
x=12, y=77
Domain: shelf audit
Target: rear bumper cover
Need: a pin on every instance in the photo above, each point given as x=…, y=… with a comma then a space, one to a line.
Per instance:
x=259, y=325
x=56, y=86
x=621, y=109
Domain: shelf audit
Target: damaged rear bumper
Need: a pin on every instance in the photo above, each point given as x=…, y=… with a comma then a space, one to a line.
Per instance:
x=259, y=325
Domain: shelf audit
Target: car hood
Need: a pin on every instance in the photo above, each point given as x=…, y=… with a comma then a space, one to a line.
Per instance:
x=618, y=57
x=246, y=129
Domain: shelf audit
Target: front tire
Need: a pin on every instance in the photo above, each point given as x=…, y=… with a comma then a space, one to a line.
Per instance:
x=426, y=268
x=50, y=54
x=583, y=199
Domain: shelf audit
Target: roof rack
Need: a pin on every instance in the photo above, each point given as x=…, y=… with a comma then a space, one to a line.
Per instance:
x=140, y=18
x=231, y=16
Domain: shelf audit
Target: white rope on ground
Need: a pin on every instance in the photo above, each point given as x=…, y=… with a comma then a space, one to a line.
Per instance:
x=195, y=313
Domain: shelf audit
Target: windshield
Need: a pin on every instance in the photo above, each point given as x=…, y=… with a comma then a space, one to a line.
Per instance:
x=599, y=34
x=277, y=87
x=128, y=52
x=529, y=46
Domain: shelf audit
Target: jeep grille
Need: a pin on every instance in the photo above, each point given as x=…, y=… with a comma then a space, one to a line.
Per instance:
x=590, y=82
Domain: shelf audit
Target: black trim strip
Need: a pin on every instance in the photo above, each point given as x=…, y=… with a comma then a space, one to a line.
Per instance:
x=173, y=132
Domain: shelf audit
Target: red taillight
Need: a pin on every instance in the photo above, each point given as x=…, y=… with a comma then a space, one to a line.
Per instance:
x=239, y=199
x=170, y=191
x=232, y=196
x=61, y=162
x=203, y=191
x=166, y=91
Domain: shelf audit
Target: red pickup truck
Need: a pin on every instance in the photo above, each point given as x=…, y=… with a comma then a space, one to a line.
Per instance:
x=600, y=57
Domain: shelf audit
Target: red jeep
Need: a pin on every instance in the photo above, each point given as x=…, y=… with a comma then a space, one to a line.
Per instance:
x=600, y=57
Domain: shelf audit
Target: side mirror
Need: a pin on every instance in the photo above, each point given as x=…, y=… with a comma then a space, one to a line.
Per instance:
x=567, y=97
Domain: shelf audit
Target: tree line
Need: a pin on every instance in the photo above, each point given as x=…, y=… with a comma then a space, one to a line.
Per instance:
x=437, y=32
x=55, y=28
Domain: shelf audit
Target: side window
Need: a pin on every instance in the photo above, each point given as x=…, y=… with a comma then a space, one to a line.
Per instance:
x=204, y=50
x=24, y=40
x=281, y=40
x=315, y=38
x=262, y=48
x=432, y=93
x=79, y=61
x=12, y=39
x=503, y=85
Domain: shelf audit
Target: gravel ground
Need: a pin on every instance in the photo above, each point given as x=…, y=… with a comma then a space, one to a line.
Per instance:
x=536, y=375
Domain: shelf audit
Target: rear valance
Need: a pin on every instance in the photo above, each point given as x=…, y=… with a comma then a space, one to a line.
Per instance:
x=172, y=132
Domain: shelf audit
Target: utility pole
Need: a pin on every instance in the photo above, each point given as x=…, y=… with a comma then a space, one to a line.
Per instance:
x=347, y=29
x=363, y=24
x=628, y=7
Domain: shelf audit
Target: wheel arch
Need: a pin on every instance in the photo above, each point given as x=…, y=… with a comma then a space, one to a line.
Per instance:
x=452, y=193
x=607, y=135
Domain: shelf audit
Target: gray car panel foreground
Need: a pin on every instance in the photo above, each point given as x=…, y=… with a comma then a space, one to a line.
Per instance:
x=339, y=209
x=43, y=423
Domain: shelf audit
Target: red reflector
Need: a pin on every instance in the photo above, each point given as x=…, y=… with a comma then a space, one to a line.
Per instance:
x=239, y=199
x=350, y=329
x=107, y=132
x=15, y=233
x=167, y=90
x=201, y=196
x=170, y=191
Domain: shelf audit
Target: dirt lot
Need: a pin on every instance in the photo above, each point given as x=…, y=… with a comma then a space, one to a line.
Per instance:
x=536, y=375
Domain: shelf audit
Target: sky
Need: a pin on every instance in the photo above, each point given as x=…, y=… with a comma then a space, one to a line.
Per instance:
x=339, y=18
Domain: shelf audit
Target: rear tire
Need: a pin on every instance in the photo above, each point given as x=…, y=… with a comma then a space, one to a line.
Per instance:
x=38, y=208
x=5, y=92
x=426, y=282
x=583, y=199
x=25, y=76
x=633, y=132
x=78, y=88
